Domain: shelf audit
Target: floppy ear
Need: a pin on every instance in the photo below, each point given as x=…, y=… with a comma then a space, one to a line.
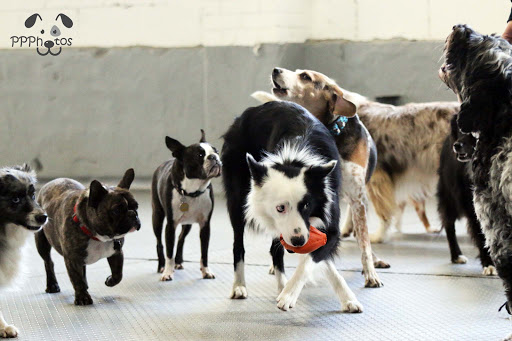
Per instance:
x=258, y=170
x=175, y=147
x=127, y=179
x=339, y=106
x=96, y=194
x=66, y=21
x=321, y=171
x=203, y=138
x=31, y=21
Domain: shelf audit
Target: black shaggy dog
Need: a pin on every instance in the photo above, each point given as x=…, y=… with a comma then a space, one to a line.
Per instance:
x=455, y=196
x=281, y=174
x=478, y=69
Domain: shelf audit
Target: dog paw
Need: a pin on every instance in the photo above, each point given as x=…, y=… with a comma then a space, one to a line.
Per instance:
x=177, y=266
x=460, y=260
x=434, y=231
x=239, y=292
x=53, y=288
x=207, y=274
x=376, y=238
x=352, y=306
x=83, y=299
x=373, y=281
x=9, y=331
x=490, y=271
x=271, y=270
x=286, y=301
x=112, y=281
x=380, y=264
x=167, y=276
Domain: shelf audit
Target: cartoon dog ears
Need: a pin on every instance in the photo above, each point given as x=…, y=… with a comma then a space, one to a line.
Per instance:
x=66, y=21
x=32, y=20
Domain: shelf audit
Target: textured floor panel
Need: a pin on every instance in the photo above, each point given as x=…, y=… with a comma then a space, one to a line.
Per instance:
x=425, y=297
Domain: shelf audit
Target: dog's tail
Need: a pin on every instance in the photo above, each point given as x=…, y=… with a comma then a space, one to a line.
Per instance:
x=264, y=97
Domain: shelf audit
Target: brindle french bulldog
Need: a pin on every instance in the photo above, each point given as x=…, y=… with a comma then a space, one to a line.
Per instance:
x=84, y=226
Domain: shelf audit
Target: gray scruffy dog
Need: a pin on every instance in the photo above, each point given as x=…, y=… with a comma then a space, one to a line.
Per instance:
x=478, y=68
x=86, y=225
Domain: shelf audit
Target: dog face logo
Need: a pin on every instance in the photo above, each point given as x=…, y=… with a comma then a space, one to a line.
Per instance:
x=49, y=39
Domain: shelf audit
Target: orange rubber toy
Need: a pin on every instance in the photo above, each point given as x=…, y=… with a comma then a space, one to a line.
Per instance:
x=316, y=240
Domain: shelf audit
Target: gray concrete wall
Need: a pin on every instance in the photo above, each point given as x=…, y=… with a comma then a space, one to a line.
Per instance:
x=95, y=112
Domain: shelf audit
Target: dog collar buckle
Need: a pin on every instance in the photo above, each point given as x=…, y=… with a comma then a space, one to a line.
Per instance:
x=338, y=125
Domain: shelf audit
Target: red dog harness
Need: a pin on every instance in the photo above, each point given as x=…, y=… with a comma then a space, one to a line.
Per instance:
x=83, y=227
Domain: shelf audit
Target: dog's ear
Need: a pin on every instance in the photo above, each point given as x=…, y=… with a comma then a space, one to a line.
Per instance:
x=31, y=21
x=66, y=21
x=321, y=171
x=339, y=106
x=96, y=194
x=479, y=107
x=175, y=147
x=258, y=170
x=203, y=138
x=127, y=179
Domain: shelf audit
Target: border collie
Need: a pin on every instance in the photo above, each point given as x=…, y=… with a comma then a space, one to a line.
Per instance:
x=281, y=175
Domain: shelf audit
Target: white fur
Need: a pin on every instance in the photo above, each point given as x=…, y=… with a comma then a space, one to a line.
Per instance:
x=97, y=250
x=239, y=290
x=290, y=293
x=168, y=273
x=15, y=238
x=348, y=300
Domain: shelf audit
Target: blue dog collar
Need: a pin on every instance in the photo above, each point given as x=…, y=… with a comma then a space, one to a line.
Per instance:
x=338, y=125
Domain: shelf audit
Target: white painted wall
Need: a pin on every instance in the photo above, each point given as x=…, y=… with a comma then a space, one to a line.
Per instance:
x=185, y=23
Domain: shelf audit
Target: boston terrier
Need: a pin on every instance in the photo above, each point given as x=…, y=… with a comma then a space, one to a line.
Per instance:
x=181, y=192
x=84, y=226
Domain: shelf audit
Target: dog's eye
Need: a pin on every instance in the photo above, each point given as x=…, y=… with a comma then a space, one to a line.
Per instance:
x=306, y=206
x=201, y=154
x=16, y=200
x=280, y=208
x=42, y=31
x=305, y=77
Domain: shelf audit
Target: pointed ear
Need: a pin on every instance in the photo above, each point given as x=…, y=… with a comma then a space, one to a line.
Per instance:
x=258, y=170
x=31, y=21
x=175, y=147
x=96, y=193
x=323, y=170
x=66, y=21
x=339, y=106
x=127, y=179
x=203, y=138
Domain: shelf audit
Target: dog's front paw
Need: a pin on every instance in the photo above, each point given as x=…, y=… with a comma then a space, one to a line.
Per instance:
x=177, y=266
x=376, y=238
x=372, y=280
x=434, y=231
x=207, y=274
x=167, y=276
x=53, y=288
x=380, y=264
x=9, y=331
x=460, y=260
x=83, y=299
x=286, y=300
x=112, y=281
x=239, y=292
x=490, y=271
x=352, y=306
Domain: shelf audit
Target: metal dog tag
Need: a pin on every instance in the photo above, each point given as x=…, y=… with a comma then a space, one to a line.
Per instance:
x=183, y=207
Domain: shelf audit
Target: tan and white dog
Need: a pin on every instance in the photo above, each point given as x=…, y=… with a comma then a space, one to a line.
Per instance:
x=408, y=139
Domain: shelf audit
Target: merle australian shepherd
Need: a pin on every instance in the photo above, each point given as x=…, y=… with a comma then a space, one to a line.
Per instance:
x=281, y=175
x=455, y=195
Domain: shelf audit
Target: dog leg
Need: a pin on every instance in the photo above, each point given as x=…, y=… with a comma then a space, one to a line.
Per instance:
x=399, y=215
x=290, y=293
x=349, y=302
x=116, y=266
x=158, y=220
x=478, y=236
x=77, y=275
x=239, y=289
x=6, y=330
x=456, y=254
x=382, y=194
x=44, y=249
x=348, y=226
x=185, y=229
x=170, y=231
x=419, y=206
x=204, y=235
x=277, y=252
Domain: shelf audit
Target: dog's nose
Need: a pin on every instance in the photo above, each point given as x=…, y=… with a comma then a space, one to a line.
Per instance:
x=277, y=71
x=41, y=218
x=48, y=44
x=298, y=241
x=457, y=147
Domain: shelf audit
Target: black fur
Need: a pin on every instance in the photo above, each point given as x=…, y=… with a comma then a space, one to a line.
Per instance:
x=455, y=194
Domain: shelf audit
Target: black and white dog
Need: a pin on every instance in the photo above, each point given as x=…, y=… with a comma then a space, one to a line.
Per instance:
x=478, y=68
x=282, y=174
x=182, y=192
x=455, y=196
x=19, y=216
